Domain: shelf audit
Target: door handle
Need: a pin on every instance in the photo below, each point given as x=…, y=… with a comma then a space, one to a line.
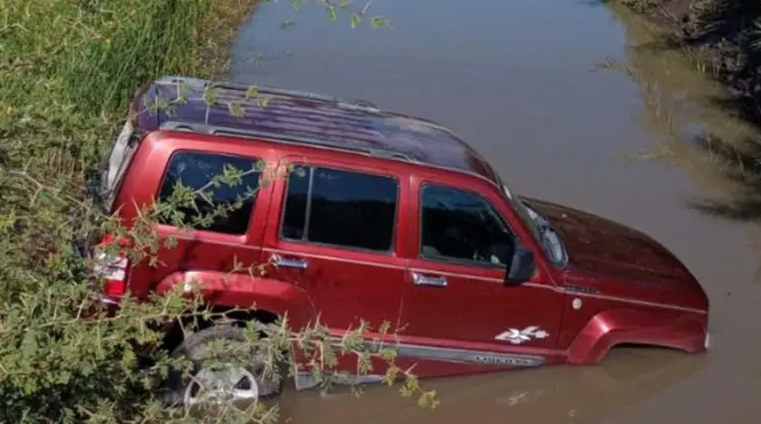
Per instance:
x=422, y=280
x=280, y=261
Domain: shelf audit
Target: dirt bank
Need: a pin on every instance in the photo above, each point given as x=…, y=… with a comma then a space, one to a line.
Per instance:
x=725, y=34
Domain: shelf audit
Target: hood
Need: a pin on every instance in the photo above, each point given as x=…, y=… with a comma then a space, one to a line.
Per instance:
x=602, y=248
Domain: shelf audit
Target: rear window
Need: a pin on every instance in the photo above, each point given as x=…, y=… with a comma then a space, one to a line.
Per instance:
x=340, y=208
x=123, y=148
x=195, y=170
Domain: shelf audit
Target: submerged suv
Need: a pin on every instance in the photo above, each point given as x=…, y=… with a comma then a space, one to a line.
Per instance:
x=389, y=218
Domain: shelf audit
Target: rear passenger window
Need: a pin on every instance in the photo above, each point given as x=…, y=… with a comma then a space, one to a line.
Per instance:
x=195, y=171
x=341, y=208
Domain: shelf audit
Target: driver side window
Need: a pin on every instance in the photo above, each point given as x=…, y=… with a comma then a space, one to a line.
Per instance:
x=458, y=226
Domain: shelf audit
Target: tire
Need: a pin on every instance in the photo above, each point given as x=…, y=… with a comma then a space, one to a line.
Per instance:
x=178, y=385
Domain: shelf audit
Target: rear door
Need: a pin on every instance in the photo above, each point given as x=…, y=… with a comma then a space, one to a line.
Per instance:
x=224, y=243
x=335, y=230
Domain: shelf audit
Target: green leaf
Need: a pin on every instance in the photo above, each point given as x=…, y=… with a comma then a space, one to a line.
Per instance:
x=355, y=20
x=63, y=377
x=331, y=13
x=29, y=345
x=379, y=21
x=236, y=110
x=252, y=91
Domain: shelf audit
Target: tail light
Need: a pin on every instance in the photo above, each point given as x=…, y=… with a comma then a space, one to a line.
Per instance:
x=113, y=268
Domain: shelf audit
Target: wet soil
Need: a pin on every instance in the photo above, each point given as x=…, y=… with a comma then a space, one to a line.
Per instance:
x=514, y=79
x=725, y=34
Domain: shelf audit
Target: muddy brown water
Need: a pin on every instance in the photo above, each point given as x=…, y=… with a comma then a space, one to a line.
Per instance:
x=513, y=78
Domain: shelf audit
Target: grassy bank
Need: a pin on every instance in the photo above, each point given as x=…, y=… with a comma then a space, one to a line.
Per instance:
x=67, y=70
x=68, y=67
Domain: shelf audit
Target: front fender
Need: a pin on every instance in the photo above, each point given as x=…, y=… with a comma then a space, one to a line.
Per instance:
x=246, y=291
x=678, y=330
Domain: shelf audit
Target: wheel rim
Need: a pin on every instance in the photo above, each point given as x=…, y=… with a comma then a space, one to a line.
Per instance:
x=229, y=383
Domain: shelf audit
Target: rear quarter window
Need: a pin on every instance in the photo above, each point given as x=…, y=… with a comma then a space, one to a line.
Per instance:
x=195, y=171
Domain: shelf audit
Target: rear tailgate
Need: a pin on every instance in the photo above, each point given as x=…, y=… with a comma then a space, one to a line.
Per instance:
x=119, y=157
x=103, y=183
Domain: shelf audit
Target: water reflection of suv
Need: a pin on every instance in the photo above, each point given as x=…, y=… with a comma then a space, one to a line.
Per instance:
x=390, y=218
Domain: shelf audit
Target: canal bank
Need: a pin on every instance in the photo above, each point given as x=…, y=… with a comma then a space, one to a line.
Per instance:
x=699, y=119
x=723, y=36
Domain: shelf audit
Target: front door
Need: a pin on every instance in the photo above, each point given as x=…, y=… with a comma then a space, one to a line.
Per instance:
x=456, y=297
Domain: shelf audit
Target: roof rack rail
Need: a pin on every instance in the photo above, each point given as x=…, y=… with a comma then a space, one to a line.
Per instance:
x=237, y=132
x=202, y=84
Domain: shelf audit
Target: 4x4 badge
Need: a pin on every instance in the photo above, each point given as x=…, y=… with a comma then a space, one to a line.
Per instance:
x=516, y=336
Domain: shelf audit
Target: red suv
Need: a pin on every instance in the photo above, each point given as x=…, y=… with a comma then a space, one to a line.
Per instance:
x=389, y=218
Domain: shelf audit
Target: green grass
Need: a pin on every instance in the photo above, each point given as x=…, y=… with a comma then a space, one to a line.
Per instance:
x=68, y=67
x=67, y=70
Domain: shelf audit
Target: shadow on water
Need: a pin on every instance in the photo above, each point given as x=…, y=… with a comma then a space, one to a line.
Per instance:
x=544, y=395
x=700, y=125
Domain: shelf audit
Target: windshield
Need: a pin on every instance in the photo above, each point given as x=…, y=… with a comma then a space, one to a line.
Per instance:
x=540, y=228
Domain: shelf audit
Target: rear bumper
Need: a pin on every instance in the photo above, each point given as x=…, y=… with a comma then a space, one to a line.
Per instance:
x=99, y=305
x=102, y=306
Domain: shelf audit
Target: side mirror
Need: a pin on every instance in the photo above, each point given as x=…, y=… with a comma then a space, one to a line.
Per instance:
x=522, y=267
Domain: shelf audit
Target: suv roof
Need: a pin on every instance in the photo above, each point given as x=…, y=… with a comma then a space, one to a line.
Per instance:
x=303, y=118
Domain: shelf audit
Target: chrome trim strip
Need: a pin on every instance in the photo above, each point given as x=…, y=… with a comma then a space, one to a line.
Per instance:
x=570, y=288
x=451, y=354
x=306, y=381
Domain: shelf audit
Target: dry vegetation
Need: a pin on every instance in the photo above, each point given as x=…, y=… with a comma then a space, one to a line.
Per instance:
x=728, y=32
